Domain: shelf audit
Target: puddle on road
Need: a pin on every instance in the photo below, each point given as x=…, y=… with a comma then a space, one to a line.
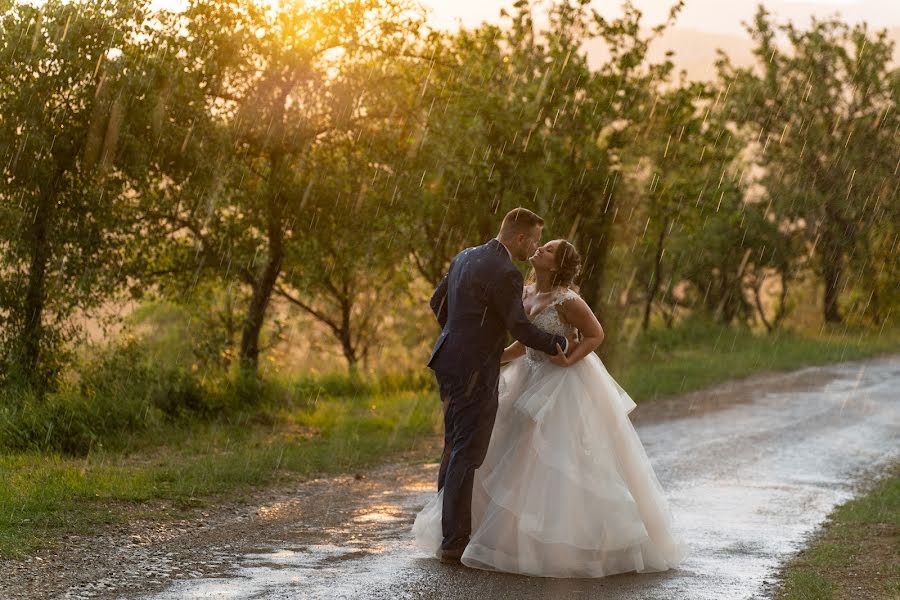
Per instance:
x=317, y=571
x=747, y=484
x=381, y=513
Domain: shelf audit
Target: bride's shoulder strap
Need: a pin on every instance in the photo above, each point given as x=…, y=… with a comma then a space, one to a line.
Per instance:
x=568, y=294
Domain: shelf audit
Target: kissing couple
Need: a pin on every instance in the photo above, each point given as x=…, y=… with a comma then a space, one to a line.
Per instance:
x=542, y=472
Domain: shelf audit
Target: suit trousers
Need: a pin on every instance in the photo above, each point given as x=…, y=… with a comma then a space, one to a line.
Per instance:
x=469, y=413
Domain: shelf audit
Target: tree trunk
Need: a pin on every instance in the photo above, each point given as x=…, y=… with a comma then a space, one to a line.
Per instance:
x=32, y=332
x=263, y=285
x=349, y=354
x=259, y=303
x=657, y=275
x=648, y=304
x=757, y=300
x=731, y=292
x=832, y=265
x=722, y=310
x=595, y=243
x=347, y=347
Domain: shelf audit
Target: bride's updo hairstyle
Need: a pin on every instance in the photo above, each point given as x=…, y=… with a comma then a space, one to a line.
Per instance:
x=568, y=265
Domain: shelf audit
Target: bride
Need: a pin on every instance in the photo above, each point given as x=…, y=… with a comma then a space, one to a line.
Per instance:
x=566, y=489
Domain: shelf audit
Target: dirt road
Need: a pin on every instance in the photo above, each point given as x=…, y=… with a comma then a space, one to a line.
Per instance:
x=751, y=469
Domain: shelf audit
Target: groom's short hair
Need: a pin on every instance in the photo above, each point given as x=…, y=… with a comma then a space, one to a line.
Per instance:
x=519, y=220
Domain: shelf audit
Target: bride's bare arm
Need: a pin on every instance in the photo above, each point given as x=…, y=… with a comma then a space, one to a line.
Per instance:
x=576, y=312
x=512, y=352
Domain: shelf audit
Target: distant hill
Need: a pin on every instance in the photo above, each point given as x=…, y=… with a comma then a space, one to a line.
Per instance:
x=695, y=51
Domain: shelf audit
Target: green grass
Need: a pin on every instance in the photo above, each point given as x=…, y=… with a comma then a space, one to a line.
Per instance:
x=804, y=585
x=700, y=354
x=857, y=548
x=99, y=463
x=46, y=495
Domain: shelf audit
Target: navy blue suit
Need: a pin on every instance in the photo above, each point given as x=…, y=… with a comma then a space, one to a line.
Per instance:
x=476, y=304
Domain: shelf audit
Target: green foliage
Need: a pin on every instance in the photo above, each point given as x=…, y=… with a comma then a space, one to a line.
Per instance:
x=334, y=155
x=72, y=141
x=517, y=117
x=298, y=118
x=699, y=227
x=349, y=268
x=200, y=329
x=341, y=386
x=880, y=505
x=125, y=393
x=693, y=331
x=119, y=394
x=823, y=114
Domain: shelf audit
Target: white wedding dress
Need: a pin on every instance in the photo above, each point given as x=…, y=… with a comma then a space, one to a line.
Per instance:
x=566, y=489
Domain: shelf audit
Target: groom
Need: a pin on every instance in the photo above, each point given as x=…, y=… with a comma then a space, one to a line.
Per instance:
x=476, y=304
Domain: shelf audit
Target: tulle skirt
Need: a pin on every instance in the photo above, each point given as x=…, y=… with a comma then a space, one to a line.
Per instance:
x=566, y=489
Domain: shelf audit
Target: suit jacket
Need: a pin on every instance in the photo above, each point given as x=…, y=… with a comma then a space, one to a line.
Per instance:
x=476, y=304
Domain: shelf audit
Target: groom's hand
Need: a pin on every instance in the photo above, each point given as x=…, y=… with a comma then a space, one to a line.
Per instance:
x=560, y=359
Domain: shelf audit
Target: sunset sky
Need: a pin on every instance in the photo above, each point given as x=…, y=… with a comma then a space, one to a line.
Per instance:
x=703, y=27
x=715, y=16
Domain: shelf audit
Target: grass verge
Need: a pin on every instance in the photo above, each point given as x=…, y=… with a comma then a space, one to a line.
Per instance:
x=701, y=354
x=855, y=556
x=44, y=496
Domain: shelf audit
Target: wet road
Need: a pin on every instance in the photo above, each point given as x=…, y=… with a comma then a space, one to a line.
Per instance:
x=749, y=476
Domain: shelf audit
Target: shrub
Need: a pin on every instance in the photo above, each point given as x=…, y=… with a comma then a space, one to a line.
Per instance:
x=119, y=393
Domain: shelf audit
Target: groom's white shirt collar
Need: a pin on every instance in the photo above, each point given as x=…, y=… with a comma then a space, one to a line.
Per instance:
x=505, y=248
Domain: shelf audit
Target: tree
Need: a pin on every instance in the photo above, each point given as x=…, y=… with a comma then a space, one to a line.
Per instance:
x=824, y=113
x=725, y=248
x=679, y=170
x=350, y=267
x=699, y=222
x=76, y=114
x=622, y=92
x=266, y=77
x=516, y=116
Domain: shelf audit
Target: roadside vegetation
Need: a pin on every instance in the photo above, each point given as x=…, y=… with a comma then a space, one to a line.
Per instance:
x=855, y=555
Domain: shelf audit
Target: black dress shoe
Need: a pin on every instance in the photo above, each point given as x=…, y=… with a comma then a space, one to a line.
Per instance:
x=451, y=556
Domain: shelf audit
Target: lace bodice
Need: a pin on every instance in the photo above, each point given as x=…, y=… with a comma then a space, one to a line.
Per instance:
x=548, y=320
